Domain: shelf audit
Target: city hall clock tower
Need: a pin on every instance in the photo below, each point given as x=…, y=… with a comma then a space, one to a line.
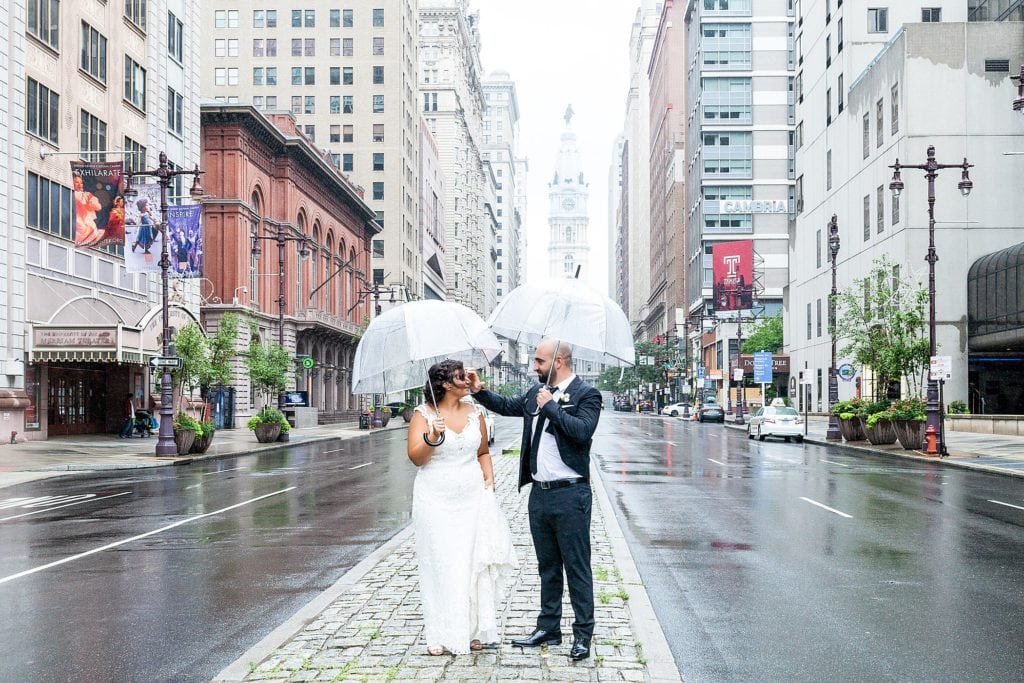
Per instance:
x=568, y=249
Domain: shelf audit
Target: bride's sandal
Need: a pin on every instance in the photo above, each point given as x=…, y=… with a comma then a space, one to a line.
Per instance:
x=435, y=650
x=476, y=645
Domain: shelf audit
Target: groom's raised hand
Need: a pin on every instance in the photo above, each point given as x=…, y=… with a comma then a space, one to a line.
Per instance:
x=543, y=396
x=475, y=384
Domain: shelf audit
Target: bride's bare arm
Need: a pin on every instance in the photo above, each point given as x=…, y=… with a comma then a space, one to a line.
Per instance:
x=418, y=450
x=483, y=456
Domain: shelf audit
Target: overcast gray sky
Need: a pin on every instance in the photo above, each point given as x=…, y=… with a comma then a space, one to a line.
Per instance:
x=560, y=52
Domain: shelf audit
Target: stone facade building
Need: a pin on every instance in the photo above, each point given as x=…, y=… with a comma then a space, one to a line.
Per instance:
x=265, y=177
x=568, y=211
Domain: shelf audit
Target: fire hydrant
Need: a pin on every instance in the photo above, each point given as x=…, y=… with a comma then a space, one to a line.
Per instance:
x=931, y=440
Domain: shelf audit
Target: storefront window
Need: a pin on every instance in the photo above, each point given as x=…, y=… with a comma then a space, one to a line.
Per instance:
x=32, y=389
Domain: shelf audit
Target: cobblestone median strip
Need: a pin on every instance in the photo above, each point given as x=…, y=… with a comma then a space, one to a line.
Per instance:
x=369, y=627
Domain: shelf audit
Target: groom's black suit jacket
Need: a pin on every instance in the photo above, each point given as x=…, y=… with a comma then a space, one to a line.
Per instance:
x=572, y=421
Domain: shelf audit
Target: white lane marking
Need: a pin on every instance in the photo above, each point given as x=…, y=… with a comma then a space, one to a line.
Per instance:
x=336, y=450
x=717, y=462
x=57, y=507
x=833, y=462
x=1009, y=505
x=826, y=507
x=365, y=464
x=115, y=544
x=230, y=469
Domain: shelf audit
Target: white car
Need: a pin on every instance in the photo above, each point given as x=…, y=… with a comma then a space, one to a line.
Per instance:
x=674, y=409
x=779, y=421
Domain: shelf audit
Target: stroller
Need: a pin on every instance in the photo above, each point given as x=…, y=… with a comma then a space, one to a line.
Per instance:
x=144, y=423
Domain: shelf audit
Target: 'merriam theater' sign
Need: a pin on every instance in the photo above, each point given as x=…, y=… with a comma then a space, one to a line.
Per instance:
x=754, y=206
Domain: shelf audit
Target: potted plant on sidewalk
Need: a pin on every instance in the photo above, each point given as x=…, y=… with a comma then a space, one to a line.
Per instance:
x=850, y=415
x=185, y=428
x=909, y=418
x=204, y=436
x=879, y=427
x=268, y=369
x=267, y=424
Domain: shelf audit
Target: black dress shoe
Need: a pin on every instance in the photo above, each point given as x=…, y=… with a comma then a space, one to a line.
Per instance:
x=538, y=638
x=580, y=649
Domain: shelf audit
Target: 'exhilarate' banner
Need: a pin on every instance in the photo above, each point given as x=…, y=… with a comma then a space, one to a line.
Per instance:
x=99, y=204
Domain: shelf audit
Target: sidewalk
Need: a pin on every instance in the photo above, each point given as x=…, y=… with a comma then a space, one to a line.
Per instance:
x=994, y=453
x=368, y=626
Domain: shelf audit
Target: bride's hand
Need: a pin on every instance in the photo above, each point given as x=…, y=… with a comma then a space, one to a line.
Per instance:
x=437, y=427
x=488, y=483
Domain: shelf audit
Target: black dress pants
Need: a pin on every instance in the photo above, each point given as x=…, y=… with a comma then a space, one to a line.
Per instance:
x=560, y=526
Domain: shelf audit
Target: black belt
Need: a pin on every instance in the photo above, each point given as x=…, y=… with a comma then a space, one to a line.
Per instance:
x=559, y=483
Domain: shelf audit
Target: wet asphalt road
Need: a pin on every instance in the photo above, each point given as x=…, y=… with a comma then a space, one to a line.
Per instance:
x=913, y=575
x=182, y=604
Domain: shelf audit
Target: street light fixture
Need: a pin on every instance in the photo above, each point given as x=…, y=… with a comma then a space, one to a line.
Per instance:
x=164, y=175
x=281, y=237
x=833, y=433
x=934, y=432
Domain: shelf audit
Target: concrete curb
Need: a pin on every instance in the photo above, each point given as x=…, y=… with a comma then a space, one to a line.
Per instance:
x=660, y=664
x=239, y=669
x=906, y=455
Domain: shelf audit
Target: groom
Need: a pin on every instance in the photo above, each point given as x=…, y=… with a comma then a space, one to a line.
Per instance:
x=559, y=423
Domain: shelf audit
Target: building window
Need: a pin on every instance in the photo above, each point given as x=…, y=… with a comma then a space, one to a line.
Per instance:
x=310, y=50
x=134, y=155
x=296, y=104
x=378, y=46
x=271, y=47
x=335, y=75
x=378, y=161
x=346, y=18
x=258, y=18
x=296, y=18
x=378, y=132
x=840, y=94
x=878, y=20
x=378, y=276
x=867, y=217
x=817, y=317
x=378, y=190
x=728, y=155
x=175, y=112
x=310, y=132
x=866, y=134
x=309, y=18
x=43, y=21
x=378, y=75
x=93, y=136
x=808, y=320
x=347, y=106
x=880, y=209
x=726, y=46
x=828, y=106
x=726, y=100
x=257, y=47
x=49, y=207
x=346, y=163
x=347, y=47
x=135, y=10
x=817, y=249
x=296, y=47
x=895, y=210
x=134, y=83
x=310, y=75
x=378, y=104
x=335, y=133
x=348, y=134
x=931, y=14
x=271, y=75
x=257, y=75
x=310, y=105
x=335, y=18
x=798, y=194
x=335, y=104
x=348, y=76
x=94, y=53
x=715, y=217
x=378, y=248
x=828, y=170
x=271, y=18
x=839, y=35
x=879, y=123
x=894, y=108
x=271, y=102
x=378, y=17
x=430, y=101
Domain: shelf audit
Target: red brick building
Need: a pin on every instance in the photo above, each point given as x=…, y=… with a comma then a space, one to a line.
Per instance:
x=263, y=176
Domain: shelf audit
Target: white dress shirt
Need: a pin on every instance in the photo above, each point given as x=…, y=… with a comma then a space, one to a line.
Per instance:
x=550, y=465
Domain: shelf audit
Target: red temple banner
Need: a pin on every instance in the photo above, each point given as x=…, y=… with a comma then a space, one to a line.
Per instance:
x=733, y=272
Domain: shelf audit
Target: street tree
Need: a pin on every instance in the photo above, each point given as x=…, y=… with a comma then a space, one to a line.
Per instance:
x=882, y=321
x=766, y=336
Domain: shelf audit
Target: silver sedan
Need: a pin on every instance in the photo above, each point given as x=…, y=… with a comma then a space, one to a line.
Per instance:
x=779, y=421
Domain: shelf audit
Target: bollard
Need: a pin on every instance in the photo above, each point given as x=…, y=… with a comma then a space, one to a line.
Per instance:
x=931, y=439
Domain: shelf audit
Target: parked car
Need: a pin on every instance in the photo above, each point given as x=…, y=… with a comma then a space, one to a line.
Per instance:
x=646, y=406
x=776, y=421
x=711, y=412
x=675, y=409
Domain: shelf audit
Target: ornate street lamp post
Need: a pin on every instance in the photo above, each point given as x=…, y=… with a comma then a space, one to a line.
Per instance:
x=933, y=432
x=282, y=237
x=165, y=175
x=833, y=433
x=741, y=393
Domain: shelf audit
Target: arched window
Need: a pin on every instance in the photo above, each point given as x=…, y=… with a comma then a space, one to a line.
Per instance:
x=300, y=267
x=343, y=288
x=350, y=279
x=568, y=265
x=254, y=229
x=314, y=265
x=329, y=294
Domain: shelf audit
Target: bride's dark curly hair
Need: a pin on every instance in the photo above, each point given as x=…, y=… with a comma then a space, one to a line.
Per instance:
x=437, y=375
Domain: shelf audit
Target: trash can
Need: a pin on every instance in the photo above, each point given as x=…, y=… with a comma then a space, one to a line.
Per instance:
x=364, y=421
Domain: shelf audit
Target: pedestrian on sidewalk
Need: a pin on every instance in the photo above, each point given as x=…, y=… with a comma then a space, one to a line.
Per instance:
x=463, y=541
x=129, y=414
x=560, y=416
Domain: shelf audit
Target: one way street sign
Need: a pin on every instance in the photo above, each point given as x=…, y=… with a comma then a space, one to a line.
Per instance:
x=165, y=362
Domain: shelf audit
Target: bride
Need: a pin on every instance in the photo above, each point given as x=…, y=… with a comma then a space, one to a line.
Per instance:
x=463, y=545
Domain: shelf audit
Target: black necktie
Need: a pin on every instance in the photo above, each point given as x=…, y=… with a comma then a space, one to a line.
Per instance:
x=537, y=433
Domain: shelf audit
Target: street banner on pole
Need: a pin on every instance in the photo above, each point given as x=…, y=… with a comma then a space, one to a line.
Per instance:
x=142, y=231
x=941, y=368
x=186, y=239
x=733, y=271
x=763, y=367
x=99, y=204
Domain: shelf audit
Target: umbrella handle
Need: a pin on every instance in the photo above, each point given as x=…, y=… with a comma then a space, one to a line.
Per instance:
x=431, y=443
x=535, y=413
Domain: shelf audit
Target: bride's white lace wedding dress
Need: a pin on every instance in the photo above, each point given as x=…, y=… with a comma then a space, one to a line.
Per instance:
x=463, y=544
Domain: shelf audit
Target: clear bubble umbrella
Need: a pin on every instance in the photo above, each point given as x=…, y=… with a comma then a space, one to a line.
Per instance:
x=399, y=346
